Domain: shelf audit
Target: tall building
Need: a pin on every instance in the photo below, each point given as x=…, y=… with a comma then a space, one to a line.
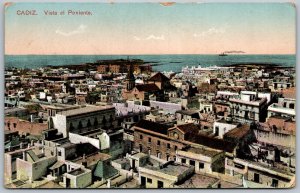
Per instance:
x=130, y=80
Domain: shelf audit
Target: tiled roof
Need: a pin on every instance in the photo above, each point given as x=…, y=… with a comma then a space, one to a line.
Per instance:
x=238, y=132
x=189, y=128
x=147, y=87
x=159, y=77
x=153, y=126
x=210, y=142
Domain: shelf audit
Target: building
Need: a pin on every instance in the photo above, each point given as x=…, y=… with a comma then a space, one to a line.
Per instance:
x=258, y=175
x=164, y=141
x=248, y=107
x=222, y=126
x=286, y=107
x=83, y=120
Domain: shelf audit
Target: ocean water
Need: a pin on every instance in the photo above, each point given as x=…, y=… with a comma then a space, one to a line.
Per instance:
x=160, y=62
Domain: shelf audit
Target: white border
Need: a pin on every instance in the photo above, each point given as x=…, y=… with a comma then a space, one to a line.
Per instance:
x=2, y=189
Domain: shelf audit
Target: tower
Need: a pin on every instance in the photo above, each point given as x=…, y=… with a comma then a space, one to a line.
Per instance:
x=130, y=80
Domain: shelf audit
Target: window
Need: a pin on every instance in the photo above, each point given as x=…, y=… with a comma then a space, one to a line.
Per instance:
x=201, y=165
x=168, y=146
x=158, y=154
x=183, y=160
x=284, y=104
x=149, y=139
x=80, y=125
x=141, y=137
x=256, y=177
x=96, y=122
x=192, y=162
x=15, y=125
x=168, y=157
x=274, y=183
x=89, y=123
x=149, y=180
x=175, y=147
x=292, y=105
x=59, y=153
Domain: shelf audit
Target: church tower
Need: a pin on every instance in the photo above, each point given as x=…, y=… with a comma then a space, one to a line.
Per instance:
x=130, y=80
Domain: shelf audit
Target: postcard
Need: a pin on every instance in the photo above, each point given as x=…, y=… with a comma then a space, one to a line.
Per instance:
x=150, y=95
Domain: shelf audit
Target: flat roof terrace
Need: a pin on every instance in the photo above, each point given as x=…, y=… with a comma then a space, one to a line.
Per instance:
x=172, y=169
x=87, y=109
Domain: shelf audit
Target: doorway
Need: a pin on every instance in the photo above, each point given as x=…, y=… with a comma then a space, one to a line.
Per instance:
x=160, y=184
x=256, y=177
x=143, y=181
x=68, y=182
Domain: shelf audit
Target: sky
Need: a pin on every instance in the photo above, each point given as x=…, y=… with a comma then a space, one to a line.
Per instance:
x=151, y=28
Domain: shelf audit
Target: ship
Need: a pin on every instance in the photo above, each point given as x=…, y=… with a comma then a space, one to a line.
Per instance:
x=223, y=54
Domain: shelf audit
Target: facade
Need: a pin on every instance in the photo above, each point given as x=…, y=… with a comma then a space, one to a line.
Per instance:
x=165, y=141
x=248, y=107
x=83, y=119
x=285, y=107
x=260, y=175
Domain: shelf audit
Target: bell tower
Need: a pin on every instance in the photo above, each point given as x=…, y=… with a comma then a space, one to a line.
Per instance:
x=130, y=80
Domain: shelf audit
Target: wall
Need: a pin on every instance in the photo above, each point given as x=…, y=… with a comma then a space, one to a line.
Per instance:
x=24, y=127
x=24, y=170
x=40, y=167
x=84, y=180
x=223, y=128
x=75, y=138
x=275, y=138
x=265, y=180
x=168, y=107
x=162, y=148
x=60, y=123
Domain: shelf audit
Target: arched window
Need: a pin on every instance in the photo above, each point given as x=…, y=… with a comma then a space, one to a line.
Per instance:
x=111, y=119
x=80, y=125
x=89, y=123
x=96, y=122
x=71, y=126
x=104, y=121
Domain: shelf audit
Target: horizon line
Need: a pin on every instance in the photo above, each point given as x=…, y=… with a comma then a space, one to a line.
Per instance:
x=134, y=54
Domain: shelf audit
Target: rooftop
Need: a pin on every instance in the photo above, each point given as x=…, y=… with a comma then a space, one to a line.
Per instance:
x=189, y=128
x=172, y=169
x=210, y=142
x=153, y=126
x=159, y=77
x=87, y=109
x=277, y=108
x=147, y=87
x=238, y=132
x=202, y=151
x=199, y=181
x=93, y=159
x=77, y=172
x=254, y=102
x=187, y=112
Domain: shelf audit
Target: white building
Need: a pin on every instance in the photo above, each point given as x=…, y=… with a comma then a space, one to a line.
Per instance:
x=249, y=107
x=286, y=107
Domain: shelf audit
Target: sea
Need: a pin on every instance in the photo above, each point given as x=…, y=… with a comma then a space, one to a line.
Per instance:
x=159, y=62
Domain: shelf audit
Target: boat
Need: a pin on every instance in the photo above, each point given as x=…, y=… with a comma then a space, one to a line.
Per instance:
x=223, y=54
